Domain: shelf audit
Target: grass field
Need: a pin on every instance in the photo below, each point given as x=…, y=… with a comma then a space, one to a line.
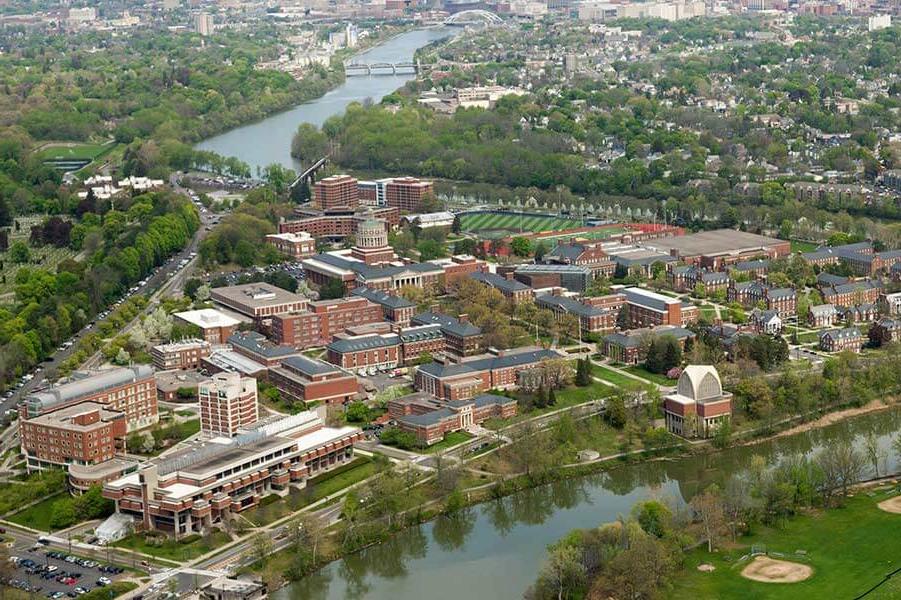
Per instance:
x=640, y=371
x=38, y=516
x=71, y=151
x=176, y=550
x=451, y=438
x=800, y=246
x=513, y=223
x=613, y=377
x=850, y=550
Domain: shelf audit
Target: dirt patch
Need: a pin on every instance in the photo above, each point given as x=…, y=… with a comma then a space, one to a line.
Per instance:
x=770, y=570
x=705, y=568
x=831, y=418
x=892, y=505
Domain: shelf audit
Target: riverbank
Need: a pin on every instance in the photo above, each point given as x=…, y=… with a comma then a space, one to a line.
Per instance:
x=480, y=496
x=836, y=417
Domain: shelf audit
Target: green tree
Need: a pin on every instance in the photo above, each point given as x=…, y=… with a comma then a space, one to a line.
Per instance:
x=18, y=252
x=521, y=246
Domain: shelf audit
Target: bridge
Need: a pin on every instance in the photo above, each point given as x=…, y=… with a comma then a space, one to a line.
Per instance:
x=475, y=17
x=309, y=173
x=355, y=69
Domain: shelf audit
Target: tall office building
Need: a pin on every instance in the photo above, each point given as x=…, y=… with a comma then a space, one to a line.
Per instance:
x=203, y=24
x=228, y=402
x=337, y=191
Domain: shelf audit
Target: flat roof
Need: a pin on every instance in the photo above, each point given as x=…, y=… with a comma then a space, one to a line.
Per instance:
x=207, y=317
x=255, y=295
x=64, y=417
x=229, y=360
x=718, y=241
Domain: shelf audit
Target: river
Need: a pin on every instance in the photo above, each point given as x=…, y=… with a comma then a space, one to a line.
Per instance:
x=269, y=141
x=495, y=549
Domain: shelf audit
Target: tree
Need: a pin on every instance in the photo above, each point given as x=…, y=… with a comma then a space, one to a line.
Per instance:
x=521, y=246
x=841, y=465
x=654, y=517
x=357, y=412
x=331, y=290
x=309, y=144
x=563, y=573
x=615, y=411
x=583, y=372
x=19, y=252
x=261, y=547
x=710, y=510
x=874, y=453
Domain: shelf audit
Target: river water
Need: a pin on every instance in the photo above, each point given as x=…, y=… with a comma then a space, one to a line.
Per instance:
x=496, y=549
x=269, y=141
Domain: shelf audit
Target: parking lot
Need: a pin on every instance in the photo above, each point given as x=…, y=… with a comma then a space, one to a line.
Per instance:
x=56, y=574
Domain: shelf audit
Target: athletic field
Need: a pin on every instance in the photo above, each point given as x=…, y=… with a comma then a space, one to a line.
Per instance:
x=514, y=223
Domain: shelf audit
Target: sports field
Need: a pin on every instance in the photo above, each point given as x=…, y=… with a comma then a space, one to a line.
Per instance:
x=513, y=223
x=71, y=151
x=848, y=550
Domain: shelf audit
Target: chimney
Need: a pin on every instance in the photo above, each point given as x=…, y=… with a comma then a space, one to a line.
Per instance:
x=508, y=275
x=434, y=307
x=464, y=318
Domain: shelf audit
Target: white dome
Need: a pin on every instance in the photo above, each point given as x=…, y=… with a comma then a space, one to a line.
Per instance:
x=700, y=382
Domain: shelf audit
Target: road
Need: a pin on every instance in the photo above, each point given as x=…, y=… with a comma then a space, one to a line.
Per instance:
x=171, y=275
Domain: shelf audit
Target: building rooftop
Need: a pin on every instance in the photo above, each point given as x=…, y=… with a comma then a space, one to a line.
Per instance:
x=501, y=283
x=448, y=324
x=255, y=295
x=229, y=360
x=718, y=241
x=83, y=384
x=649, y=299
x=257, y=343
x=365, y=342
x=65, y=417
x=570, y=305
x=485, y=363
x=382, y=298
x=633, y=337
x=309, y=366
x=207, y=317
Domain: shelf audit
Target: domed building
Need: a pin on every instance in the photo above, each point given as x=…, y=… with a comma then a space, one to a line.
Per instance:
x=372, y=242
x=699, y=405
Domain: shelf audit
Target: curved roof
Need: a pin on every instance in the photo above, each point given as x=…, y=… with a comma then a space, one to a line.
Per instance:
x=700, y=382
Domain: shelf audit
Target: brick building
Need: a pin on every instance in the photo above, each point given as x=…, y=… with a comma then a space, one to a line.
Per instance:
x=395, y=308
x=86, y=433
x=452, y=380
x=574, y=278
x=336, y=224
x=317, y=325
x=185, y=354
x=852, y=292
x=304, y=379
x=591, y=256
x=838, y=340
x=460, y=336
x=626, y=346
x=591, y=319
x=259, y=301
x=208, y=485
x=720, y=248
x=228, y=403
x=516, y=291
x=337, y=191
x=699, y=406
x=430, y=420
x=749, y=293
x=885, y=331
x=131, y=390
x=215, y=327
x=890, y=304
x=407, y=193
x=822, y=315
x=259, y=349
x=686, y=278
x=295, y=245
x=649, y=309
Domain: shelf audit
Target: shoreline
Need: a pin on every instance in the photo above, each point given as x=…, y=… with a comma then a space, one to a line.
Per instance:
x=508, y=485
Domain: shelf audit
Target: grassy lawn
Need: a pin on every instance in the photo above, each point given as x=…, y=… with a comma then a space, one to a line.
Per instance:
x=176, y=550
x=640, y=371
x=612, y=376
x=800, y=246
x=806, y=338
x=708, y=312
x=850, y=549
x=38, y=516
x=450, y=439
x=570, y=396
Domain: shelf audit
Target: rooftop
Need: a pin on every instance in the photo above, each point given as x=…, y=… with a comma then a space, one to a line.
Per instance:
x=309, y=366
x=65, y=417
x=255, y=295
x=207, y=317
x=448, y=324
x=84, y=384
x=718, y=241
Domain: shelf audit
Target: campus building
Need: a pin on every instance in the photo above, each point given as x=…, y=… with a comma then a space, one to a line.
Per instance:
x=336, y=224
x=337, y=191
x=259, y=301
x=210, y=483
x=295, y=245
x=649, y=309
x=626, y=346
x=131, y=390
x=749, y=293
x=884, y=331
x=395, y=308
x=839, y=340
x=852, y=292
x=228, y=403
x=575, y=278
x=407, y=193
x=590, y=256
x=86, y=433
x=214, y=326
x=303, y=379
x=822, y=315
x=446, y=379
x=317, y=325
x=591, y=318
x=699, y=405
x=185, y=354
x=720, y=248
x=430, y=419
x=256, y=347
x=516, y=291
x=460, y=336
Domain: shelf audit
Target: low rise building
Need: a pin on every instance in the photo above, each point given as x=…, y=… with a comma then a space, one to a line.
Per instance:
x=516, y=291
x=395, y=308
x=627, y=346
x=575, y=278
x=890, y=304
x=859, y=313
x=591, y=256
x=209, y=483
x=460, y=336
x=591, y=318
x=699, y=405
x=131, y=390
x=649, y=309
x=215, y=327
x=259, y=349
x=460, y=380
x=259, y=301
x=839, y=340
x=228, y=404
x=317, y=325
x=304, y=379
x=295, y=245
x=753, y=293
x=178, y=386
x=865, y=291
x=766, y=321
x=185, y=354
x=885, y=331
x=430, y=420
x=822, y=315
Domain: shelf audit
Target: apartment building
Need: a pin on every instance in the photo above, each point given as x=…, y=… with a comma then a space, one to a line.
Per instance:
x=131, y=390
x=506, y=285
x=185, y=354
x=839, y=340
x=591, y=319
x=337, y=191
x=407, y=193
x=460, y=336
x=885, y=331
x=853, y=292
x=228, y=403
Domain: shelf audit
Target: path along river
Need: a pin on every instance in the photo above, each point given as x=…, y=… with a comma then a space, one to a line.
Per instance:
x=269, y=141
x=496, y=549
